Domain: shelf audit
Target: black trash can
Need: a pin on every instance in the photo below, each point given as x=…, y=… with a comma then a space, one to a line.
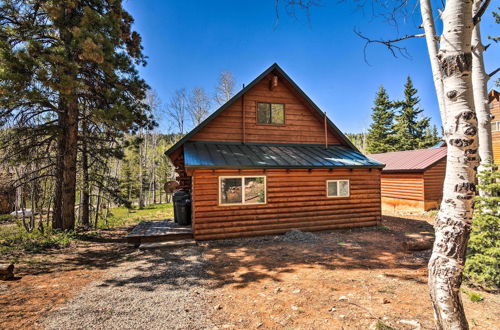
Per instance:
x=182, y=207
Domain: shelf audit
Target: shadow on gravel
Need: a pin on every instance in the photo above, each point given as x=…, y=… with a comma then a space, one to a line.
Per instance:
x=242, y=261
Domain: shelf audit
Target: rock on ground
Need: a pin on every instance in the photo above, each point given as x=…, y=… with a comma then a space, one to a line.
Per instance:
x=300, y=237
x=160, y=288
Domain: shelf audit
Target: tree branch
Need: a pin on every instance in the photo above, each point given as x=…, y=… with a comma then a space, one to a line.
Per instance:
x=390, y=44
x=477, y=17
x=494, y=72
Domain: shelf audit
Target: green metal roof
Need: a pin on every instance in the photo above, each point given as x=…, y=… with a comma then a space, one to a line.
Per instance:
x=272, y=155
x=275, y=67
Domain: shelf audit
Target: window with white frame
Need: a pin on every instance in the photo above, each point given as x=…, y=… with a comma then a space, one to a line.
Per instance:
x=495, y=126
x=242, y=190
x=337, y=188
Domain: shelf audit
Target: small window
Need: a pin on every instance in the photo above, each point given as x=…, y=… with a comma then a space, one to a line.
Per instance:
x=271, y=113
x=242, y=190
x=495, y=126
x=337, y=188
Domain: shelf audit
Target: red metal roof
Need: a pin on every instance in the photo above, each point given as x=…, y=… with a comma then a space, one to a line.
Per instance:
x=411, y=160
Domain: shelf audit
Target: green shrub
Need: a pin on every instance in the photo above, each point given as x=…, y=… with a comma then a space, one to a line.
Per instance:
x=483, y=255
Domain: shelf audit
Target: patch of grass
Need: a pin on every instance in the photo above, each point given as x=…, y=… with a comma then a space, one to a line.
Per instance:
x=473, y=296
x=382, y=326
x=6, y=218
x=15, y=238
x=121, y=216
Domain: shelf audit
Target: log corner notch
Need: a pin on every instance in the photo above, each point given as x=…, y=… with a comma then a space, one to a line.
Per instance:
x=6, y=272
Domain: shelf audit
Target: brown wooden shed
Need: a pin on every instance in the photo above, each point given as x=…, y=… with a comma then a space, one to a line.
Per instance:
x=412, y=179
x=268, y=161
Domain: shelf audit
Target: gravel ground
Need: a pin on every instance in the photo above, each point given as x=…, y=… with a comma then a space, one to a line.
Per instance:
x=155, y=288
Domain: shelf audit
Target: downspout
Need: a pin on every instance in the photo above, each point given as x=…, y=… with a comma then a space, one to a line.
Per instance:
x=243, y=116
x=326, y=134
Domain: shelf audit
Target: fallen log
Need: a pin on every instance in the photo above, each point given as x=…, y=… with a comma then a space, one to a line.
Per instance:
x=419, y=244
x=6, y=271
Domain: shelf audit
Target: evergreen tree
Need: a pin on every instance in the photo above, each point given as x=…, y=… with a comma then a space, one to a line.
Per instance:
x=380, y=134
x=410, y=126
x=430, y=139
x=483, y=255
x=59, y=57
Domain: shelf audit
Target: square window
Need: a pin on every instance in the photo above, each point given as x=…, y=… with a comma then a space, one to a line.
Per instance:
x=271, y=113
x=337, y=188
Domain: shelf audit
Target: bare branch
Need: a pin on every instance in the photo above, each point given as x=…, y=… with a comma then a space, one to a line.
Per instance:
x=480, y=12
x=494, y=72
x=390, y=44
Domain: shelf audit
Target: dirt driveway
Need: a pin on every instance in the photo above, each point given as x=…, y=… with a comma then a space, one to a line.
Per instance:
x=350, y=279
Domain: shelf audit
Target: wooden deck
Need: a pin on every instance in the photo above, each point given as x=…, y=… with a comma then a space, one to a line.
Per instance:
x=158, y=231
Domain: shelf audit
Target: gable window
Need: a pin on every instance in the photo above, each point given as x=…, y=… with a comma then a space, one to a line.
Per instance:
x=270, y=113
x=495, y=126
x=242, y=190
x=337, y=188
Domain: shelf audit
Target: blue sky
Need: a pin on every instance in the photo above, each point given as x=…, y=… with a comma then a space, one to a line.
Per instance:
x=189, y=42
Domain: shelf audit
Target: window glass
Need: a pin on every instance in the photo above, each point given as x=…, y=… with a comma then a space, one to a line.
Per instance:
x=270, y=113
x=344, y=188
x=332, y=188
x=263, y=113
x=277, y=114
x=255, y=190
x=230, y=190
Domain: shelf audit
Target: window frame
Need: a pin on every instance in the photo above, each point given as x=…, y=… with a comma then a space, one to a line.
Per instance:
x=242, y=177
x=270, y=109
x=497, y=126
x=338, y=196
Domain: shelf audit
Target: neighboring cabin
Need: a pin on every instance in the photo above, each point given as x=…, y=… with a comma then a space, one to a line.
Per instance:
x=412, y=179
x=269, y=161
x=494, y=103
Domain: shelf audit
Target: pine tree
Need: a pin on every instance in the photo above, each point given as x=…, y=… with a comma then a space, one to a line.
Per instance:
x=430, y=139
x=483, y=256
x=57, y=58
x=380, y=134
x=410, y=127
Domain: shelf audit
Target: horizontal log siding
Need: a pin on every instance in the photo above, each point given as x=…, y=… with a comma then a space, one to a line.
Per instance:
x=495, y=111
x=403, y=185
x=302, y=125
x=433, y=181
x=295, y=199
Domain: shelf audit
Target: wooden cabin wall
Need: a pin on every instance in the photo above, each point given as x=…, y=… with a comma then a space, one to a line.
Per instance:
x=403, y=185
x=302, y=125
x=495, y=135
x=295, y=199
x=433, y=183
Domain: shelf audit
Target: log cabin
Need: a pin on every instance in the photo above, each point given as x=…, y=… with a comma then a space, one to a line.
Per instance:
x=494, y=104
x=413, y=179
x=268, y=161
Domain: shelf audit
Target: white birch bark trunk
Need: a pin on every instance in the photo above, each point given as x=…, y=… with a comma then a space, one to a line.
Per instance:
x=432, y=47
x=480, y=88
x=453, y=222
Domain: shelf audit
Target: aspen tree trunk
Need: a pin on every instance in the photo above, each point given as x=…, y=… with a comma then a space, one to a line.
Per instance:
x=432, y=47
x=455, y=216
x=480, y=88
x=57, y=222
x=85, y=205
